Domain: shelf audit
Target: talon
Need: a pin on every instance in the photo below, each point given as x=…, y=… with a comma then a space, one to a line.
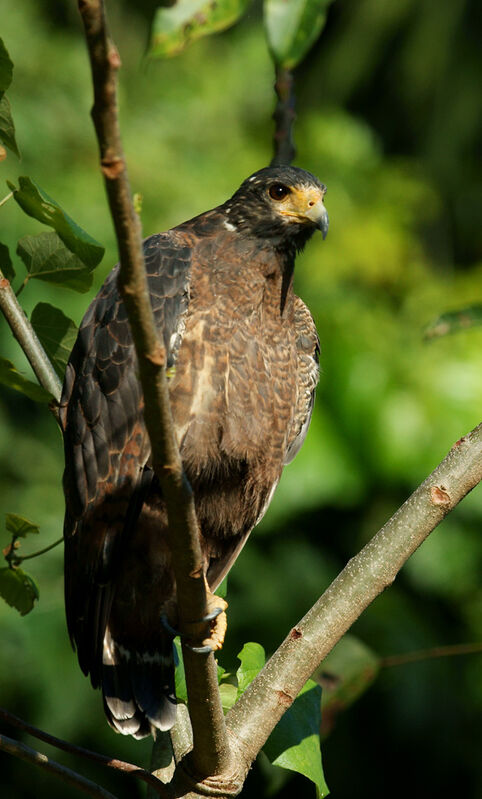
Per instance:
x=170, y=629
x=195, y=635
x=201, y=650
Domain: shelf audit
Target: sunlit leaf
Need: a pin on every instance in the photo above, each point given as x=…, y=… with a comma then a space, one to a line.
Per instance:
x=46, y=258
x=19, y=526
x=10, y=377
x=176, y=26
x=454, y=321
x=6, y=68
x=6, y=266
x=180, y=677
x=347, y=672
x=293, y=27
x=294, y=743
x=18, y=589
x=35, y=202
x=56, y=333
x=252, y=657
x=228, y=693
x=7, y=128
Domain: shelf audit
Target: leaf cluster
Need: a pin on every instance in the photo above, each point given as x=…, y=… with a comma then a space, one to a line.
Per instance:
x=291, y=28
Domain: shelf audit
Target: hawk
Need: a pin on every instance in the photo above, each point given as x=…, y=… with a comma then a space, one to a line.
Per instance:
x=242, y=353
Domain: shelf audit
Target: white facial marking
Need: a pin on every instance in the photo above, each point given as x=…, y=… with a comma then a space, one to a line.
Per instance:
x=229, y=226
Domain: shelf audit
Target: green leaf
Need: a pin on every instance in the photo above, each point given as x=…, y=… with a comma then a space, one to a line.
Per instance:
x=19, y=526
x=454, y=321
x=7, y=128
x=18, y=589
x=253, y=658
x=293, y=27
x=10, y=377
x=294, y=743
x=6, y=266
x=47, y=259
x=222, y=589
x=56, y=333
x=347, y=672
x=6, y=68
x=228, y=693
x=35, y=202
x=178, y=25
x=180, y=677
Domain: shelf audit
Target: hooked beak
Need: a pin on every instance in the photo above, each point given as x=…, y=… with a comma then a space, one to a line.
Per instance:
x=318, y=214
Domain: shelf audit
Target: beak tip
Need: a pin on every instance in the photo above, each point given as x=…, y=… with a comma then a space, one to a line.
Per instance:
x=324, y=224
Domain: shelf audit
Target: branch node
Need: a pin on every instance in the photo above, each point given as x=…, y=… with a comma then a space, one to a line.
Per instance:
x=284, y=699
x=114, y=58
x=112, y=167
x=439, y=496
x=158, y=356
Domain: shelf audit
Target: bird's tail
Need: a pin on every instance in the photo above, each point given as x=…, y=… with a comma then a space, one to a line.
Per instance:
x=138, y=686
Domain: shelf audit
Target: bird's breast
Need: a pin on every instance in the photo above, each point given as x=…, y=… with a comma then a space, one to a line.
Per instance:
x=232, y=392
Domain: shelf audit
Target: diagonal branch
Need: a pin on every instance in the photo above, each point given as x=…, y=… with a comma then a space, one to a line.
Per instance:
x=95, y=757
x=211, y=753
x=28, y=340
x=365, y=576
x=24, y=752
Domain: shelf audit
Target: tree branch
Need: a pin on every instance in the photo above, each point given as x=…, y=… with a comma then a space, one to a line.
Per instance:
x=211, y=753
x=452, y=650
x=95, y=757
x=37, y=758
x=284, y=116
x=365, y=576
x=27, y=338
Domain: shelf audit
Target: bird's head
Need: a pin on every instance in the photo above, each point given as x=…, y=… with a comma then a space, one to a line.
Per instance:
x=281, y=204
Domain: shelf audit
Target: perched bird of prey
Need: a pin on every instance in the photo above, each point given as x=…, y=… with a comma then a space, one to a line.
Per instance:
x=242, y=354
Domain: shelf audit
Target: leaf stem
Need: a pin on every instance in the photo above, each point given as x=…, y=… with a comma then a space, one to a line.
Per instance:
x=19, y=558
x=22, y=286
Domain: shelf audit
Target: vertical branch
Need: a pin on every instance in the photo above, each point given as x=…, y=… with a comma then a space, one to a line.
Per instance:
x=284, y=116
x=211, y=753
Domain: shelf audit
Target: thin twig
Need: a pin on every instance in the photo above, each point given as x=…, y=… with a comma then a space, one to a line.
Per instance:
x=211, y=752
x=20, y=558
x=24, y=752
x=365, y=576
x=428, y=654
x=6, y=199
x=95, y=757
x=284, y=116
x=28, y=340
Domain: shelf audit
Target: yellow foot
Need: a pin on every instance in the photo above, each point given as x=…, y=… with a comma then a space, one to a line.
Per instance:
x=217, y=620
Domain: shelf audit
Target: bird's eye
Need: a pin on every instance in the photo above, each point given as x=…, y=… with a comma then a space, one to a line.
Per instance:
x=278, y=191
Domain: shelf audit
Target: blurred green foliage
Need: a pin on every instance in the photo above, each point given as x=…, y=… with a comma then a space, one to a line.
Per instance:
x=389, y=112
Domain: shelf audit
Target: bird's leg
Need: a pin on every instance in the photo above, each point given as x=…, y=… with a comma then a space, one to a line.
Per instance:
x=207, y=634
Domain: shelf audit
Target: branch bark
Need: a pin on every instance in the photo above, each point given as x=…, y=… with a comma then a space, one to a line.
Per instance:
x=255, y=715
x=284, y=116
x=66, y=746
x=67, y=775
x=211, y=752
x=27, y=338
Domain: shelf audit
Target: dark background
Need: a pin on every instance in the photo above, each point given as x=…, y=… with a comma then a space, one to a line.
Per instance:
x=389, y=107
